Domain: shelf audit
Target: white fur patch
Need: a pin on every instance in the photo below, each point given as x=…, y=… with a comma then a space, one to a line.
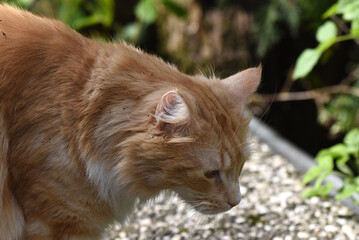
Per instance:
x=102, y=177
x=12, y=222
x=110, y=189
x=38, y=228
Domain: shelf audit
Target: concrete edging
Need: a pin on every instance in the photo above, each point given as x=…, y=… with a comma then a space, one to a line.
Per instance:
x=298, y=158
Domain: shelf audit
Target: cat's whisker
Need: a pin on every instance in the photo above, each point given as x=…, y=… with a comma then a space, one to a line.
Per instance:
x=271, y=102
x=156, y=234
x=200, y=221
x=180, y=227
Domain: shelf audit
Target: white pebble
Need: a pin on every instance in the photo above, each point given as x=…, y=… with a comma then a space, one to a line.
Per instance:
x=330, y=228
x=303, y=235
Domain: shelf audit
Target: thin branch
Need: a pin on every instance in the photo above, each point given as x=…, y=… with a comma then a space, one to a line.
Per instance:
x=344, y=28
x=307, y=95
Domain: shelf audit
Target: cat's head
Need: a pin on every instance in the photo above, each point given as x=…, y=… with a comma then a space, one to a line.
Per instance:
x=198, y=142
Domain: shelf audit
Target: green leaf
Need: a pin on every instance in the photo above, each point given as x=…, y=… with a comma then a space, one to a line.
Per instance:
x=352, y=138
x=108, y=12
x=305, y=63
x=24, y=3
x=323, y=152
x=338, y=150
x=347, y=191
x=326, y=31
x=146, y=11
x=356, y=180
x=130, y=32
x=326, y=162
x=310, y=192
x=354, y=28
x=321, y=178
x=86, y=21
x=349, y=9
x=318, y=191
x=331, y=11
x=343, y=167
x=325, y=190
x=70, y=11
x=325, y=45
x=312, y=174
x=175, y=8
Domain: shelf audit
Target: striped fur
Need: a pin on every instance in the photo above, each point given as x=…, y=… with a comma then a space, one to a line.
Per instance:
x=87, y=129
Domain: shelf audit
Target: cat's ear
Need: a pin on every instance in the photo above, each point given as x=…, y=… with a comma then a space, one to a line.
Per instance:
x=242, y=85
x=171, y=112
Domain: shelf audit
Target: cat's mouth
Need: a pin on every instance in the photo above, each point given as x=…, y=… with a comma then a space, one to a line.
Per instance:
x=210, y=209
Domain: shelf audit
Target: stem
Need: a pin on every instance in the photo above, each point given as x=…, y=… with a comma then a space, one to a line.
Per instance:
x=344, y=38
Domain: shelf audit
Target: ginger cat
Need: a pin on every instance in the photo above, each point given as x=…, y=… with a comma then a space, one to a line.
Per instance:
x=88, y=128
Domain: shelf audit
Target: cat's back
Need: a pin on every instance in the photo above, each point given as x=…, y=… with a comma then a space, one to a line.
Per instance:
x=34, y=46
x=15, y=24
x=40, y=58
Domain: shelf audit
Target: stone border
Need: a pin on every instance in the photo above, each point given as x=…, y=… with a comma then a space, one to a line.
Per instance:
x=299, y=159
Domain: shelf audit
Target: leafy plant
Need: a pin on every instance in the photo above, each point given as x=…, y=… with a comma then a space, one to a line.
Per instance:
x=341, y=159
x=98, y=16
x=276, y=18
x=341, y=113
x=78, y=14
x=327, y=35
x=20, y=3
x=146, y=12
x=338, y=105
x=81, y=13
x=274, y=12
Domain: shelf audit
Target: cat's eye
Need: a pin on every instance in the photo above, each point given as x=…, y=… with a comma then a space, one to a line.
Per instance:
x=212, y=174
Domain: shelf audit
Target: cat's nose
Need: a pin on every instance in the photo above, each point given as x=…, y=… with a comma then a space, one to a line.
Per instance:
x=234, y=199
x=233, y=202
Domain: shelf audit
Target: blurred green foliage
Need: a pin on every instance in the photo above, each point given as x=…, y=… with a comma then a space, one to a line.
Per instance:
x=79, y=14
x=341, y=23
x=146, y=12
x=84, y=14
x=279, y=17
x=342, y=111
x=270, y=15
x=342, y=159
x=330, y=22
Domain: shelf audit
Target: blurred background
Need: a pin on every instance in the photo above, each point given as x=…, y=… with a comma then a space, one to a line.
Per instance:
x=309, y=51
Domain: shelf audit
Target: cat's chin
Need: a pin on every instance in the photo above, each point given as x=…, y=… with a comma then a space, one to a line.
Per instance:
x=211, y=211
x=202, y=207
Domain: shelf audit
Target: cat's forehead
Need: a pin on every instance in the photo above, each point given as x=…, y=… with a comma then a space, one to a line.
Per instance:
x=215, y=157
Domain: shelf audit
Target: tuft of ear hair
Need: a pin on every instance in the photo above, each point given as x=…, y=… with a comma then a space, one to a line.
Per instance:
x=171, y=111
x=242, y=85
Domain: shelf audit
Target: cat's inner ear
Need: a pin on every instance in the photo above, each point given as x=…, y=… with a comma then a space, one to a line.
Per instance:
x=171, y=112
x=242, y=85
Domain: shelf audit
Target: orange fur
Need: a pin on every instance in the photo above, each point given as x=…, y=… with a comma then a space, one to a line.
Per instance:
x=88, y=128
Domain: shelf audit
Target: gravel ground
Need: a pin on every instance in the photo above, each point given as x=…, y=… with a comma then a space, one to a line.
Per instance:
x=271, y=208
